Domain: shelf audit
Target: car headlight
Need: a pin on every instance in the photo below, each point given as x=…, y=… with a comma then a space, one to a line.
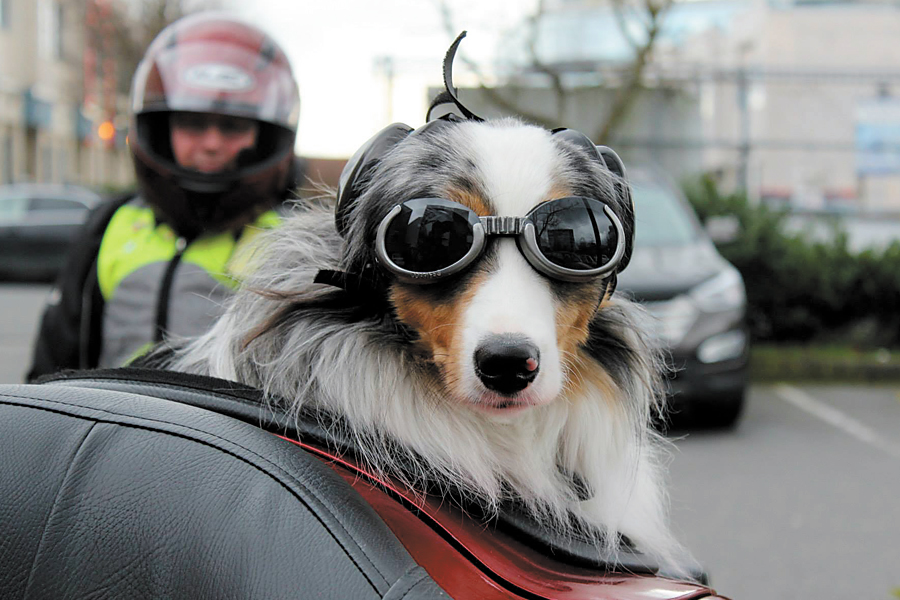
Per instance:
x=675, y=317
x=723, y=292
x=723, y=346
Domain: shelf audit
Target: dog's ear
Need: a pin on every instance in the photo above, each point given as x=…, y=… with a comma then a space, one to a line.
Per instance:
x=611, y=161
x=358, y=168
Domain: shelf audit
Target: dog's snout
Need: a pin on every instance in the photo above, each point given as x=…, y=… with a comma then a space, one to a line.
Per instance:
x=506, y=364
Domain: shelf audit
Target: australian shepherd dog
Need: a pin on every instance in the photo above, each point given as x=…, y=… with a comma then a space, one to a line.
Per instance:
x=501, y=380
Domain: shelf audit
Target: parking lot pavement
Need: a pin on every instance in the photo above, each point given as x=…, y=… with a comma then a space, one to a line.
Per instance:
x=20, y=310
x=800, y=501
x=867, y=413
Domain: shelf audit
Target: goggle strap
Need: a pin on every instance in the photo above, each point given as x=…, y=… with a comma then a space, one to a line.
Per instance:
x=611, y=282
x=365, y=296
x=502, y=225
x=362, y=285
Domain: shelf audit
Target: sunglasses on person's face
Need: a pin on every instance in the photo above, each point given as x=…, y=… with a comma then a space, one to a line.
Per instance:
x=571, y=239
x=199, y=122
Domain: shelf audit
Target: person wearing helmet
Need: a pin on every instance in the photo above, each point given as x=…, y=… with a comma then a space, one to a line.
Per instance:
x=214, y=110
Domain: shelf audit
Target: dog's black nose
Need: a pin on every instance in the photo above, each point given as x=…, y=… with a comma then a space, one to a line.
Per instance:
x=507, y=363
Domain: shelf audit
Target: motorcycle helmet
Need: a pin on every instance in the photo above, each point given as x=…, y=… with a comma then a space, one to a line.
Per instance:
x=215, y=64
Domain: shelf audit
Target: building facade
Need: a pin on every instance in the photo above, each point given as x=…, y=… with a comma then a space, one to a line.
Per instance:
x=47, y=133
x=796, y=101
x=810, y=93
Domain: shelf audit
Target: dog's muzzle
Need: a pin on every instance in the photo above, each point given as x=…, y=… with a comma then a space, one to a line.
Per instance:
x=507, y=363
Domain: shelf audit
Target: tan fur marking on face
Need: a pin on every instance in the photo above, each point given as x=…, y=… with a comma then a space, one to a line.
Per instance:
x=609, y=288
x=439, y=326
x=586, y=378
x=573, y=319
x=558, y=191
x=469, y=199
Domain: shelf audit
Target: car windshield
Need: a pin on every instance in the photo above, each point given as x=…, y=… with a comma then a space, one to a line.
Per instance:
x=12, y=209
x=661, y=219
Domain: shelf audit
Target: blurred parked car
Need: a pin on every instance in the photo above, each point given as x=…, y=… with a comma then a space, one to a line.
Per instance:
x=698, y=299
x=37, y=224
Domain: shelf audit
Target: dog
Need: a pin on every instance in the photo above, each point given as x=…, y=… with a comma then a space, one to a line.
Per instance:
x=501, y=376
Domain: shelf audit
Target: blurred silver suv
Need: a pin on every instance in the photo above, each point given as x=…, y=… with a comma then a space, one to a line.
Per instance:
x=37, y=224
x=698, y=299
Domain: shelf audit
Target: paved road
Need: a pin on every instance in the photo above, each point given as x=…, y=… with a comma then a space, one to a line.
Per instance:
x=801, y=501
x=20, y=310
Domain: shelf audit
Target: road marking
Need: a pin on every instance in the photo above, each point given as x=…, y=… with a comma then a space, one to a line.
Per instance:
x=834, y=417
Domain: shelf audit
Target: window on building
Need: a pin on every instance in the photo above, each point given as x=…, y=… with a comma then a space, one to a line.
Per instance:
x=7, y=157
x=62, y=166
x=46, y=165
x=58, y=27
x=31, y=150
x=50, y=28
x=4, y=14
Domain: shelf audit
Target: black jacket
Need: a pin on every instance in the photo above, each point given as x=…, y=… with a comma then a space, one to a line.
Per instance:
x=70, y=332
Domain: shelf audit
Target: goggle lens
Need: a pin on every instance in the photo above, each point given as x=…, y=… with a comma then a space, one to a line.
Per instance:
x=574, y=233
x=429, y=235
x=571, y=239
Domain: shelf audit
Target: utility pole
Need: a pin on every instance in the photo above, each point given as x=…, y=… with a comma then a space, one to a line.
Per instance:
x=743, y=101
x=744, y=140
x=385, y=64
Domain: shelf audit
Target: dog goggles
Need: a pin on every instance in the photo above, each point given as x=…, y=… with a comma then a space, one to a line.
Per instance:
x=572, y=239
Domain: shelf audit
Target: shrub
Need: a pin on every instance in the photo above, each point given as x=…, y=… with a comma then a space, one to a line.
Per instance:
x=800, y=289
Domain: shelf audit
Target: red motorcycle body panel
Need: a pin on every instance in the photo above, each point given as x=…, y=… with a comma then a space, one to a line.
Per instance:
x=468, y=560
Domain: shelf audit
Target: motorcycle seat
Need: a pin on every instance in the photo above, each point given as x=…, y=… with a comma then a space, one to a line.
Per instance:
x=109, y=493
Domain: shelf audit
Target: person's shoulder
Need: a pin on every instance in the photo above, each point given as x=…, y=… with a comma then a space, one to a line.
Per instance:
x=101, y=214
x=121, y=198
x=110, y=203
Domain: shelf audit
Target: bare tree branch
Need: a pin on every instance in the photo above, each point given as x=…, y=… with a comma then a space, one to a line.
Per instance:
x=137, y=22
x=627, y=94
x=618, y=9
x=539, y=66
x=491, y=93
x=649, y=13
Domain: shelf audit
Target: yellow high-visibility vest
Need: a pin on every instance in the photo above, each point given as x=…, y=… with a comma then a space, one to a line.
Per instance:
x=154, y=282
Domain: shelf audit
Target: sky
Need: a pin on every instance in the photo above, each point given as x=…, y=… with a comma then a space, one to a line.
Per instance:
x=335, y=47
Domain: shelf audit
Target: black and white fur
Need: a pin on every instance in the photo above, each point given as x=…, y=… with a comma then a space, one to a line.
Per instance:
x=409, y=403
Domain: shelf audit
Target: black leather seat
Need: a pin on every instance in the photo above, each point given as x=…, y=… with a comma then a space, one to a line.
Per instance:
x=121, y=493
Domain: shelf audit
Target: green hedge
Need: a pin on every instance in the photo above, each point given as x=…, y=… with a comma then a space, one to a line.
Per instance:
x=795, y=362
x=803, y=290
